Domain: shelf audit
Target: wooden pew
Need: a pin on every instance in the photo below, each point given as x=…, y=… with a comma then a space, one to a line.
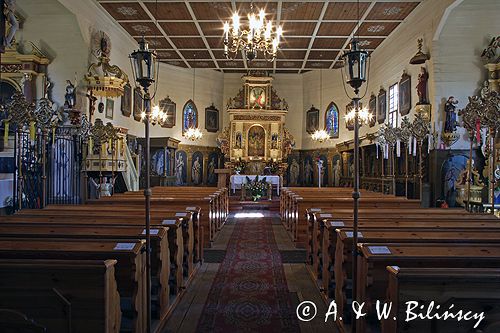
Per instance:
x=342, y=264
x=129, y=269
x=175, y=236
x=160, y=254
x=316, y=225
x=197, y=231
x=470, y=289
x=77, y=296
x=372, y=262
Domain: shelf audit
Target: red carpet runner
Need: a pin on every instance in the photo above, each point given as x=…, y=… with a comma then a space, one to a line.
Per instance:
x=249, y=293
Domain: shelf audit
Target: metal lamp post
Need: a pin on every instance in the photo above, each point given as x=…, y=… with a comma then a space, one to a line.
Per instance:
x=355, y=62
x=144, y=70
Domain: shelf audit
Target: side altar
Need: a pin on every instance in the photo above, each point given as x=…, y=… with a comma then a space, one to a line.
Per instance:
x=256, y=134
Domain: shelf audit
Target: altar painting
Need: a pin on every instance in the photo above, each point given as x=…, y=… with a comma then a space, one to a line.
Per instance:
x=180, y=167
x=197, y=168
x=256, y=141
x=213, y=163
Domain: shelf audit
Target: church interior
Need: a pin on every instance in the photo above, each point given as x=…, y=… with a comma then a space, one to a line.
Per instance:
x=238, y=166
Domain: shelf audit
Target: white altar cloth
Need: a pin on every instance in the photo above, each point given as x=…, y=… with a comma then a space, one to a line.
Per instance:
x=237, y=180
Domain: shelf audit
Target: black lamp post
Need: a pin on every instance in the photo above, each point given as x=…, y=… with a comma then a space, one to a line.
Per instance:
x=355, y=62
x=144, y=70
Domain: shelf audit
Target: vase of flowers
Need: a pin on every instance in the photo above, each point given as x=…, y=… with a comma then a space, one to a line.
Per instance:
x=256, y=188
x=239, y=166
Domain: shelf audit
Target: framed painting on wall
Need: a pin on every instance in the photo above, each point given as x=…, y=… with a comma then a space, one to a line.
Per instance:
x=168, y=106
x=372, y=108
x=138, y=103
x=312, y=120
x=404, y=94
x=212, y=119
x=126, y=103
x=110, y=104
x=382, y=106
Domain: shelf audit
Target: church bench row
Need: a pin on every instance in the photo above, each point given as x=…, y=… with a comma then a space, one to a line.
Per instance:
x=191, y=227
x=338, y=263
x=321, y=262
x=169, y=275
x=471, y=289
x=315, y=217
x=129, y=268
x=295, y=218
x=214, y=205
x=38, y=289
x=373, y=276
x=180, y=235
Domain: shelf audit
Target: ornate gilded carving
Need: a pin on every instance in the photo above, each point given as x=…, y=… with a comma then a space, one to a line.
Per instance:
x=256, y=117
x=237, y=102
x=11, y=68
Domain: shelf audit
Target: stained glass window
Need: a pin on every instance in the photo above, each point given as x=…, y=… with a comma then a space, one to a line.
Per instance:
x=189, y=116
x=332, y=120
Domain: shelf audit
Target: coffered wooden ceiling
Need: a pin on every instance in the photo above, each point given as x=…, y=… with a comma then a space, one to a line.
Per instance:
x=189, y=33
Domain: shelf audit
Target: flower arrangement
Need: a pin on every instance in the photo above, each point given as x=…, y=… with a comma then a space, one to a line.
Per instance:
x=256, y=188
x=239, y=165
x=273, y=167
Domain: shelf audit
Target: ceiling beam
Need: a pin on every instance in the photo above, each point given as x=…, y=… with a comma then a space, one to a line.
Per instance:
x=354, y=31
x=200, y=31
x=174, y=47
x=315, y=32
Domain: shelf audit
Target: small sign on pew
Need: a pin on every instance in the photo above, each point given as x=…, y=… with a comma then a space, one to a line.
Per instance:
x=337, y=224
x=325, y=216
x=124, y=246
x=167, y=222
x=315, y=210
x=190, y=208
x=350, y=234
x=379, y=250
x=181, y=214
x=151, y=231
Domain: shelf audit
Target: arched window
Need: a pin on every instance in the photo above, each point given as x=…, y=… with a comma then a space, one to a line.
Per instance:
x=332, y=120
x=189, y=116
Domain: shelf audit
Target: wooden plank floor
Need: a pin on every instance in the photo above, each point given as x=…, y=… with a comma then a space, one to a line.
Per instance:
x=184, y=318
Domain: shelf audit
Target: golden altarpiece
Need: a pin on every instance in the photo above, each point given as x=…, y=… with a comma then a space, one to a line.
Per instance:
x=256, y=132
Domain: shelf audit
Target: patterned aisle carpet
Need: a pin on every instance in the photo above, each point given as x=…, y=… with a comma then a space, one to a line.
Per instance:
x=249, y=293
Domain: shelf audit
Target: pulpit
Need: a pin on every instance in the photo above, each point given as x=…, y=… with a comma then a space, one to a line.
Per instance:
x=222, y=176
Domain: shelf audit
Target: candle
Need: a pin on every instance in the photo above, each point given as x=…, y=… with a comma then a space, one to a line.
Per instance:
x=6, y=134
x=32, y=132
x=409, y=144
x=414, y=146
x=376, y=148
x=398, y=148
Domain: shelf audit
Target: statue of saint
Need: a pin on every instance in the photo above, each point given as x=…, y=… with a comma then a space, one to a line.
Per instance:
x=294, y=172
x=450, y=125
x=211, y=171
x=336, y=174
x=196, y=171
x=70, y=96
x=9, y=9
x=308, y=170
x=423, y=77
x=179, y=167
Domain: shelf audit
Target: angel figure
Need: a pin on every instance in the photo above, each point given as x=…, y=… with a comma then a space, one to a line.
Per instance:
x=9, y=9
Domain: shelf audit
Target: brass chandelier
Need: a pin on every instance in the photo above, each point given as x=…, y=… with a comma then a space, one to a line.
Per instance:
x=260, y=36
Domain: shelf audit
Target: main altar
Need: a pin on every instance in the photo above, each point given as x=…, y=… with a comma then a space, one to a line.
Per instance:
x=256, y=134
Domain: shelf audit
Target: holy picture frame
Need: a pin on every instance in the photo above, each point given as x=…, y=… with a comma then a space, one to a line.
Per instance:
x=405, y=94
x=372, y=108
x=212, y=119
x=110, y=105
x=138, y=103
x=312, y=120
x=168, y=106
x=126, y=101
x=381, y=105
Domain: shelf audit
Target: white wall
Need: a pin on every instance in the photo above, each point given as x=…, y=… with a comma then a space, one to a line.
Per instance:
x=62, y=29
x=387, y=64
x=458, y=68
